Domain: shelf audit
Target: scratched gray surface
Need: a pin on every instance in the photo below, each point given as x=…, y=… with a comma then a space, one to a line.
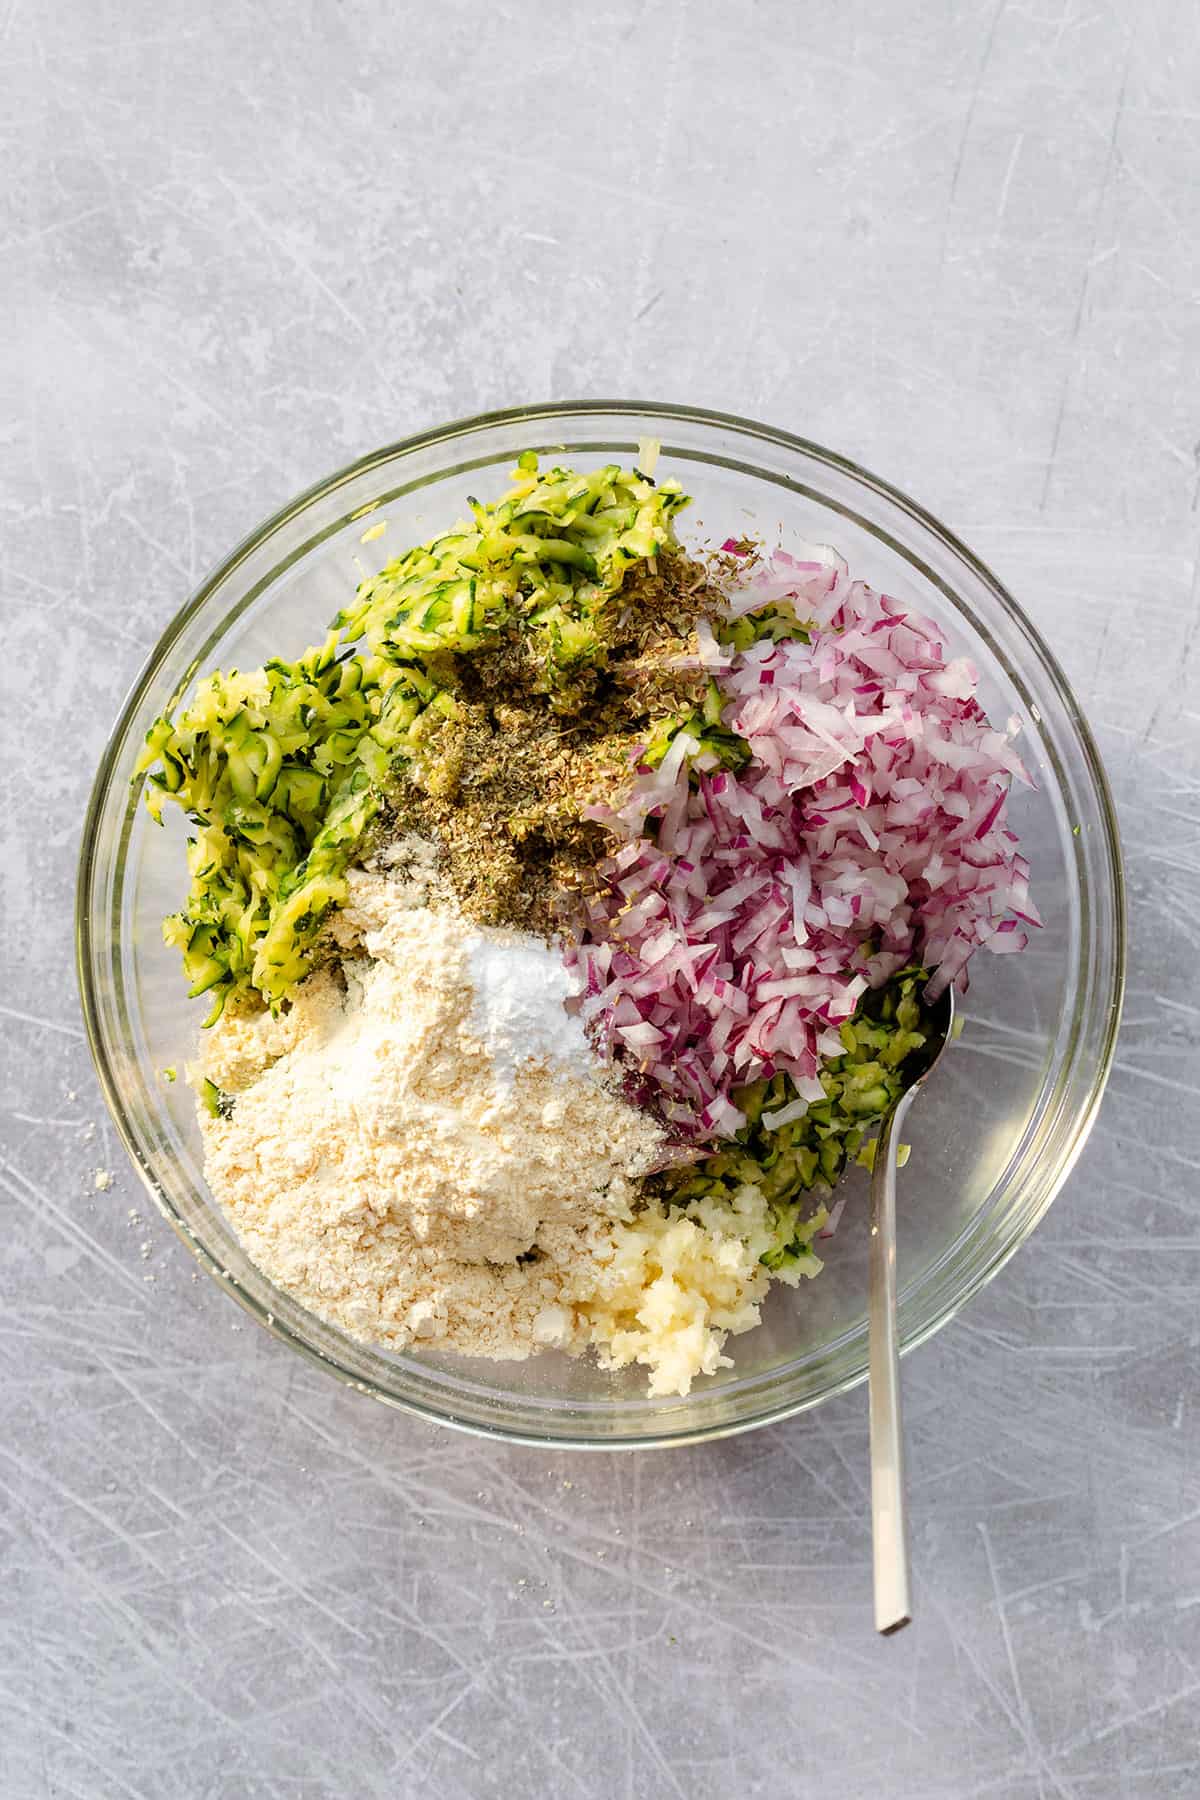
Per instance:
x=242, y=244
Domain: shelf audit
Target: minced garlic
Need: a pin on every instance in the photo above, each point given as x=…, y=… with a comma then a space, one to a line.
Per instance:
x=667, y=1288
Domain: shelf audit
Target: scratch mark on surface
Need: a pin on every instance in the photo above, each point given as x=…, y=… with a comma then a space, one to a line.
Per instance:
x=1077, y=326
x=981, y=71
x=665, y=108
x=12, y=244
x=1185, y=654
x=1037, y=1755
x=1010, y=171
x=66, y=1224
x=71, y=1031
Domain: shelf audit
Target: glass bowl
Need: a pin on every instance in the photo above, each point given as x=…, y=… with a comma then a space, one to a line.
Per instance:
x=994, y=1136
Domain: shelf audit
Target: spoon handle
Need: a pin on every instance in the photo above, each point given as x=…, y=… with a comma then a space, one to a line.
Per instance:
x=889, y=1522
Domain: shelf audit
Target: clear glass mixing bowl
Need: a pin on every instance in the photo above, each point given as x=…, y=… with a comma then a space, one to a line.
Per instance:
x=995, y=1134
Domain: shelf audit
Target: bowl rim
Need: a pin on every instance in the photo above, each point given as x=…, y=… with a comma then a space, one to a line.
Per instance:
x=444, y=434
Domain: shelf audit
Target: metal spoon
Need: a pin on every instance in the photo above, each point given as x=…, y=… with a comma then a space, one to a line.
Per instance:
x=889, y=1522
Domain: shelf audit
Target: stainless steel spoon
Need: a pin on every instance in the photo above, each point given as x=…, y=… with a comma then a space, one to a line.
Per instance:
x=889, y=1521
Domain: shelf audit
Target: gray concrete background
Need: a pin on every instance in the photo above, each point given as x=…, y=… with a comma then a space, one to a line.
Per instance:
x=243, y=243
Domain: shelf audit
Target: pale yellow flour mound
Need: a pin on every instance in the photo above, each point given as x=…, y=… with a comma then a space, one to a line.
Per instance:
x=375, y=1168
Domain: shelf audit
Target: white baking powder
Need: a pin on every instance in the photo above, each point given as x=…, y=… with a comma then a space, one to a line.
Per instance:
x=521, y=990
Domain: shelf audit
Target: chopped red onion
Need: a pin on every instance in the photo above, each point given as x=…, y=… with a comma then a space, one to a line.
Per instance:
x=745, y=914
